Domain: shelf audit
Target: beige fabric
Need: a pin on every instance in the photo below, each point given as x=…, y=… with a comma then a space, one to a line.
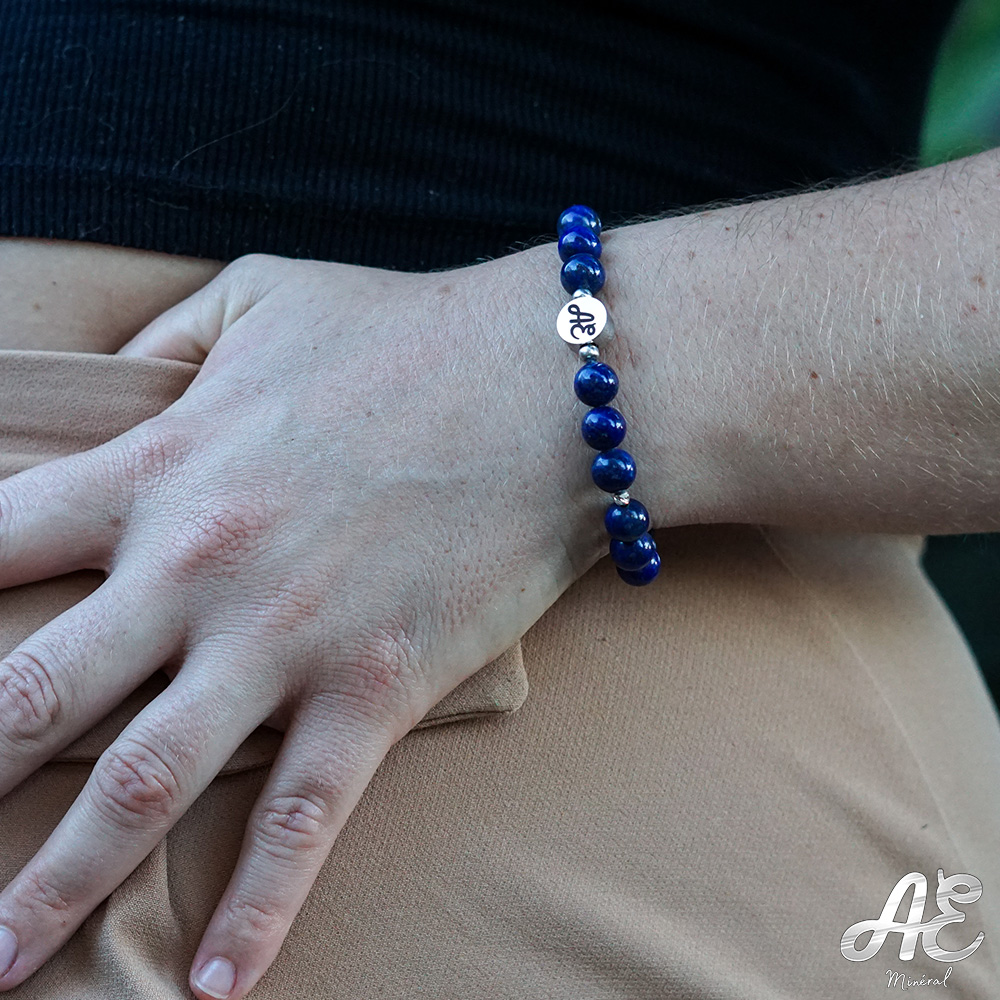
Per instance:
x=706, y=783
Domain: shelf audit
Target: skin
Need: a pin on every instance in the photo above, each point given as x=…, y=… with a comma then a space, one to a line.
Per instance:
x=376, y=484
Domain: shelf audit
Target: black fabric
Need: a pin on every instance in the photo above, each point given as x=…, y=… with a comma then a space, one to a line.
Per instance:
x=424, y=135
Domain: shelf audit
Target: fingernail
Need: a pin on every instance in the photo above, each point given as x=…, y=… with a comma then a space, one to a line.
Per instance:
x=8, y=950
x=217, y=978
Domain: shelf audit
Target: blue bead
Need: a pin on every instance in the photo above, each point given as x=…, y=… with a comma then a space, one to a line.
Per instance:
x=579, y=240
x=627, y=523
x=633, y=555
x=603, y=427
x=613, y=470
x=645, y=574
x=583, y=270
x=579, y=217
x=595, y=383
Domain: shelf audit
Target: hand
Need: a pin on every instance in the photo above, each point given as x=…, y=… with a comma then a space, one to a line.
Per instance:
x=373, y=487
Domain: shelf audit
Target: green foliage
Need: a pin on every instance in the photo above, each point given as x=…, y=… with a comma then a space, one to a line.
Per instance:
x=962, y=118
x=963, y=110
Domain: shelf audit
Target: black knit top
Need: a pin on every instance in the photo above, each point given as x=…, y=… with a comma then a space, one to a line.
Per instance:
x=423, y=134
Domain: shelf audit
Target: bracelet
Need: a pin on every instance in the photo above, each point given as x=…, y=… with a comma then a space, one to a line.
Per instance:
x=580, y=322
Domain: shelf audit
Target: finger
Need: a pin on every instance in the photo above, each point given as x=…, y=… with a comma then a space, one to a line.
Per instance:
x=66, y=677
x=141, y=785
x=189, y=330
x=323, y=768
x=58, y=517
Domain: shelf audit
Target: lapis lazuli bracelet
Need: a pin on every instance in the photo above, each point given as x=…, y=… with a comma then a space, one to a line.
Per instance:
x=580, y=322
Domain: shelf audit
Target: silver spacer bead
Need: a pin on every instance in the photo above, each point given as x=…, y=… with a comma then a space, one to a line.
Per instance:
x=621, y=499
x=589, y=352
x=579, y=292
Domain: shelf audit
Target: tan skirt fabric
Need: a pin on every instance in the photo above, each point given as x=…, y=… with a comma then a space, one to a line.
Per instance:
x=690, y=790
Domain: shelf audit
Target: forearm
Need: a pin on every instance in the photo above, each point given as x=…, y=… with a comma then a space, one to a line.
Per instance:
x=826, y=360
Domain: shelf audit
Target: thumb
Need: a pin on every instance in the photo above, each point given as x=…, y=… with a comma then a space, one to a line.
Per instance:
x=188, y=330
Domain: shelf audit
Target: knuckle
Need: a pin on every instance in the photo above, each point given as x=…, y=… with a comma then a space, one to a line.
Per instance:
x=30, y=704
x=218, y=536
x=248, y=263
x=134, y=785
x=291, y=603
x=384, y=671
x=378, y=676
x=135, y=464
x=289, y=824
x=40, y=894
x=155, y=450
x=245, y=917
x=248, y=277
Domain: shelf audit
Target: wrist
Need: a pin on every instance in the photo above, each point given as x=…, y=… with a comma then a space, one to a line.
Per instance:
x=512, y=303
x=679, y=430
x=552, y=365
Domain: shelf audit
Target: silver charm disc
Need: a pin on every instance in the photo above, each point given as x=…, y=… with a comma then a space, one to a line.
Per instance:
x=581, y=320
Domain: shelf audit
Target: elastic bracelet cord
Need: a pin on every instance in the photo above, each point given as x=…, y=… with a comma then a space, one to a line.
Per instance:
x=580, y=323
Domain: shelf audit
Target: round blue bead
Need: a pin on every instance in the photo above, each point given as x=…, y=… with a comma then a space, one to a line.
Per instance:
x=633, y=555
x=579, y=240
x=645, y=574
x=603, y=427
x=579, y=217
x=613, y=470
x=595, y=383
x=583, y=270
x=627, y=523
